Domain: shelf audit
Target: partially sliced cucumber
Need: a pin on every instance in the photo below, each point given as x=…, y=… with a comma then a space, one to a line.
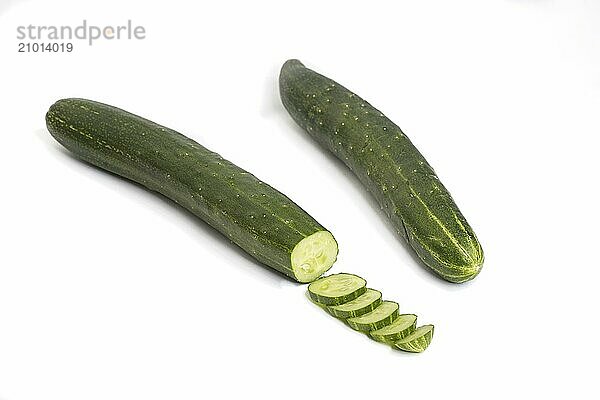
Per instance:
x=402, y=326
x=337, y=289
x=382, y=316
x=363, y=304
x=417, y=341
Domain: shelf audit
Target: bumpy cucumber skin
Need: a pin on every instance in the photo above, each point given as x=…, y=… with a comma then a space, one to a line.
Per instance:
x=389, y=166
x=253, y=215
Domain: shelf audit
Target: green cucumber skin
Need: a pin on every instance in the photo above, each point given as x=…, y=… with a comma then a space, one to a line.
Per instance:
x=390, y=339
x=389, y=166
x=416, y=345
x=354, y=313
x=375, y=325
x=253, y=215
x=336, y=301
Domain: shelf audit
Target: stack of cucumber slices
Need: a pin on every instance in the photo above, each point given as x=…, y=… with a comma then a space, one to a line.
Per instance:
x=347, y=297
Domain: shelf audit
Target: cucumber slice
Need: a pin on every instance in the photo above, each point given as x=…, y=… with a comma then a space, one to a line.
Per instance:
x=417, y=341
x=337, y=289
x=402, y=326
x=382, y=316
x=363, y=304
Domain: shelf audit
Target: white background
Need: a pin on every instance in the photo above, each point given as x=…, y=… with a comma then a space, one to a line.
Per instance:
x=108, y=291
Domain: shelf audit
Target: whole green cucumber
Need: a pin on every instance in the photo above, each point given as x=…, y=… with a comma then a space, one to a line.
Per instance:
x=259, y=219
x=389, y=165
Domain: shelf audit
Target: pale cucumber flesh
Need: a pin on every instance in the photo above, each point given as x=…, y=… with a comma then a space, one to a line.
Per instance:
x=417, y=341
x=337, y=289
x=382, y=316
x=402, y=326
x=313, y=255
x=363, y=304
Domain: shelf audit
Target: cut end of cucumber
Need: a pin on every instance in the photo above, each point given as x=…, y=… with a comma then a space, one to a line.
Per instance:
x=313, y=256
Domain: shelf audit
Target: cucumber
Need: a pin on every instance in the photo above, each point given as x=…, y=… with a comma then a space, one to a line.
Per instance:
x=363, y=304
x=417, y=341
x=337, y=289
x=382, y=316
x=389, y=165
x=253, y=215
x=402, y=326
